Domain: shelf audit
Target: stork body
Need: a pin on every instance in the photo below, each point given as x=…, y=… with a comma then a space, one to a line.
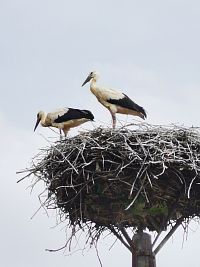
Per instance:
x=64, y=118
x=115, y=101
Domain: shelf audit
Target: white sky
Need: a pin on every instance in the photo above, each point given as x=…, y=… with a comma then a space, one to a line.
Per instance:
x=148, y=49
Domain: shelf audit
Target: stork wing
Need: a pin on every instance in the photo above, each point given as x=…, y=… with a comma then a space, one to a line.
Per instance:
x=126, y=102
x=71, y=114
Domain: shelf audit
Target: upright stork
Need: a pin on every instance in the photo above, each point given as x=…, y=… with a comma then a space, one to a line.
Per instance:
x=115, y=101
x=64, y=118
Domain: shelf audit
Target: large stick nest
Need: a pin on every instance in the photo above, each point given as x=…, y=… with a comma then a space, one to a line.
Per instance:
x=141, y=178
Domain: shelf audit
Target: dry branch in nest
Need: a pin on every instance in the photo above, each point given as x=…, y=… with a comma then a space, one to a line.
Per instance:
x=144, y=178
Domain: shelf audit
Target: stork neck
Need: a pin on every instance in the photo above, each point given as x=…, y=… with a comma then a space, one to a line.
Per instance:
x=93, y=83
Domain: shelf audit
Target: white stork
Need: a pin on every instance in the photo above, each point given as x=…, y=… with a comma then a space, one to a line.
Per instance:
x=64, y=118
x=115, y=101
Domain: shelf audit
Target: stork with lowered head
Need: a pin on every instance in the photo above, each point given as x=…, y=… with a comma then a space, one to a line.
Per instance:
x=114, y=100
x=64, y=118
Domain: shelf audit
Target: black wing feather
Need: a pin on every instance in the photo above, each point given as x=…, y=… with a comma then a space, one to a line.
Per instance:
x=74, y=114
x=126, y=102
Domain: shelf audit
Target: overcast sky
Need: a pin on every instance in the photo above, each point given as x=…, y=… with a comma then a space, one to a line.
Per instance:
x=148, y=49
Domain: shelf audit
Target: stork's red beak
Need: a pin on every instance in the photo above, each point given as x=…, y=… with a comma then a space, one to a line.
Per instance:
x=87, y=80
x=37, y=122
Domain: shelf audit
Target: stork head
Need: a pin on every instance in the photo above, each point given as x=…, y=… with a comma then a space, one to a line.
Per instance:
x=88, y=115
x=39, y=117
x=92, y=75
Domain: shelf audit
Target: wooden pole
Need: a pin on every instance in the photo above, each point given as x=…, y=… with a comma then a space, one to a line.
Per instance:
x=142, y=255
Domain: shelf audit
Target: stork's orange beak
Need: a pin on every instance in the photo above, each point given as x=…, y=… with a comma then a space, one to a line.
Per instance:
x=87, y=80
x=37, y=122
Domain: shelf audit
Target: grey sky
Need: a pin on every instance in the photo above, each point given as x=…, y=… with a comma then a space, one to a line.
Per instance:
x=148, y=49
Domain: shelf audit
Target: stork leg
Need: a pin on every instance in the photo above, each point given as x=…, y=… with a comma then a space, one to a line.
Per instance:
x=113, y=120
x=65, y=133
x=60, y=134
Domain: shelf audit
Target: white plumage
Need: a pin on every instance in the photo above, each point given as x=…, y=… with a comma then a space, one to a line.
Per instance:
x=114, y=100
x=63, y=118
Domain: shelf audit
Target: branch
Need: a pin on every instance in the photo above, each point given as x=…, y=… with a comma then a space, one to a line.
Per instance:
x=112, y=229
x=126, y=236
x=167, y=237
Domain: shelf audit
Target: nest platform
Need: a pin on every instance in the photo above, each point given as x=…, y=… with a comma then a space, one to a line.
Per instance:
x=145, y=177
